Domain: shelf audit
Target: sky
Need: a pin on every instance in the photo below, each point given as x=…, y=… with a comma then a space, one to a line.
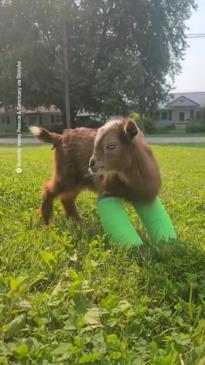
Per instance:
x=192, y=76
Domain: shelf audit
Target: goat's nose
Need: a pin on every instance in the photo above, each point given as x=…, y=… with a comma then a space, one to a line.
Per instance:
x=92, y=162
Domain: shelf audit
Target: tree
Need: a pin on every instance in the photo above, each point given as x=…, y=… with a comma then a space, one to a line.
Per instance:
x=120, y=52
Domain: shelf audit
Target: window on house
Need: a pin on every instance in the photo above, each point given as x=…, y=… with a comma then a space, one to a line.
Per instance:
x=181, y=116
x=58, y=118
x=8, y=120
x=170, y=115
x=198, y=115
x=32, y=119
x=40, y=119
x=191, y=114
x=164, y=115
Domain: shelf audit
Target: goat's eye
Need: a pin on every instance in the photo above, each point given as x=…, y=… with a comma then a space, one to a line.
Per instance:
x=111, y=146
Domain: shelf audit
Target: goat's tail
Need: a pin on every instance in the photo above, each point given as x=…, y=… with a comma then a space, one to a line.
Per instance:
x=46, y=136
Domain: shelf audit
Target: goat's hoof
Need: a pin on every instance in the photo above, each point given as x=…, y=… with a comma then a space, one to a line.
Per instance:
x=44, y=219
x=74, y=217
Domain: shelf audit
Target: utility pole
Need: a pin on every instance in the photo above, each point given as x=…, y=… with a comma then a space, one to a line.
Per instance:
x=66, y=67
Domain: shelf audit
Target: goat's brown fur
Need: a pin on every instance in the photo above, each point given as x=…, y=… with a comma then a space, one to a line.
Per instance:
x=121, y=165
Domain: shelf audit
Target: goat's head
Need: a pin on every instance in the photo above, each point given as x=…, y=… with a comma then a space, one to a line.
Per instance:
x=114, y=146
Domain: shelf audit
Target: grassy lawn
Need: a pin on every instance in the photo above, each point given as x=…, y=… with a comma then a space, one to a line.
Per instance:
x=14, y=134
x=68, y=296
x=174, y=133
x=177, y=133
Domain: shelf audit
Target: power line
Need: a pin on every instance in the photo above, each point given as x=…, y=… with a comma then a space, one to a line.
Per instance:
x=196, y=35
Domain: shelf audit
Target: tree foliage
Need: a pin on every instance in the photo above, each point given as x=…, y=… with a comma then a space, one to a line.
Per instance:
x=120, y=51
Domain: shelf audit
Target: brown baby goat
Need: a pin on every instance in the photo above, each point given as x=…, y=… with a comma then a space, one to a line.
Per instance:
x=112, y=161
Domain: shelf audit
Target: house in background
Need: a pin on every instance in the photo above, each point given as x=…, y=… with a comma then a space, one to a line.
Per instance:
x=181, y=108
x=48, y=117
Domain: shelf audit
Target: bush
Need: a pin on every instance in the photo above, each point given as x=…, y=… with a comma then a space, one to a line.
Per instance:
x=57, y=128
x=196, y=126
x=166, y=129
x=135, y=116
x=148, y=125
x=88, y=121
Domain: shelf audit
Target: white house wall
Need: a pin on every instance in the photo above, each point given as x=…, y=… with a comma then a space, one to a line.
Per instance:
x=7, y=127
x=27, y=120
x=176, y=113
x=184, y=103
x=176, y=117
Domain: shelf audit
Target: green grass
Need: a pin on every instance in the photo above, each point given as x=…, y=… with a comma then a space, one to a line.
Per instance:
x=14, y=134
x=68, y=296
x=192, y=145
x=176, y=133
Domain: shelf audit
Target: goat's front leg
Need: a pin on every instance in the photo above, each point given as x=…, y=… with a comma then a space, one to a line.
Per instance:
x=51, y=189
x=68, y=201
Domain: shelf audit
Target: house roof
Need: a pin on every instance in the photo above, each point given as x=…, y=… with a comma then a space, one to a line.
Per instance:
x=195, y=97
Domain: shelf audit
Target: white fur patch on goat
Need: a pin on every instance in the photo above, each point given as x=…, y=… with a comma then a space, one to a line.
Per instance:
x=103, y=130
x=36, y=131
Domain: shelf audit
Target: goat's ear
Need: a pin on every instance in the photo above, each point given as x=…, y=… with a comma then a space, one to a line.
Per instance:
x=130, y=129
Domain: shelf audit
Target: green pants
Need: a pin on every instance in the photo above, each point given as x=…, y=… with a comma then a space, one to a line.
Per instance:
x=117, y=225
